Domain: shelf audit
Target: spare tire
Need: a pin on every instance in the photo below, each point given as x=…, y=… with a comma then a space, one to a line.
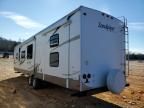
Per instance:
x=116, y=81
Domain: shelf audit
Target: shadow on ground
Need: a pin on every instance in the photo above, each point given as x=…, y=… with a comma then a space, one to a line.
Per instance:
x=16, y=93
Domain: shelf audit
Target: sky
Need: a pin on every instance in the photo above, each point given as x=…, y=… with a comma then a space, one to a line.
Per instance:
x=21, y=19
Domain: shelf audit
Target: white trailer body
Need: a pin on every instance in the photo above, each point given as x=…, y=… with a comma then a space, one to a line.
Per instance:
x=76, y=52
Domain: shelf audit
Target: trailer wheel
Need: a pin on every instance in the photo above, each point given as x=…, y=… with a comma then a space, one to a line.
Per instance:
x=35, y=83
x=30, y=80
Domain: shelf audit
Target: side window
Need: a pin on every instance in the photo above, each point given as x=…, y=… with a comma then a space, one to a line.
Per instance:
x=54, y=59
x=22, y=54
x=30, y=51
x=19, y=54
x=54, y=40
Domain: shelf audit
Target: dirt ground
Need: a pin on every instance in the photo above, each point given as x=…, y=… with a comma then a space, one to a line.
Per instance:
x=15, y=92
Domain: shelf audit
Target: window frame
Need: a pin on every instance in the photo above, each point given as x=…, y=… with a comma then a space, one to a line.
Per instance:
x=54, y=40
x=54, y=63
x=30, y=55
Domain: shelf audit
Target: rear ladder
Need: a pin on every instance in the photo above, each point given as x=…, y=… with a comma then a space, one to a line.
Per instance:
x=126, y=34
x=126, y=42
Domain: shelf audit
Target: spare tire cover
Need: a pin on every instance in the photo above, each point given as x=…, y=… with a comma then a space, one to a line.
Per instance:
x=116, y=81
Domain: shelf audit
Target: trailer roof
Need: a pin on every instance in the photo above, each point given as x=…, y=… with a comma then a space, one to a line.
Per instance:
x=66, y=16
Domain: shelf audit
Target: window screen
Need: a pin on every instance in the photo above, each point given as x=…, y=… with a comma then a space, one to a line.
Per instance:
x=22, y=54
x=54, y=59
x=54, y=40
x=30, y=51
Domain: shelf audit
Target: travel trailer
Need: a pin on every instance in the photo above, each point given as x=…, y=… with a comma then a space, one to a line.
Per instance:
x=83, y=50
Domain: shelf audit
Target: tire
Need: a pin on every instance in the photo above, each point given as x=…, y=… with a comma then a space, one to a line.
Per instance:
x=30, y=80
x=35, y=83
